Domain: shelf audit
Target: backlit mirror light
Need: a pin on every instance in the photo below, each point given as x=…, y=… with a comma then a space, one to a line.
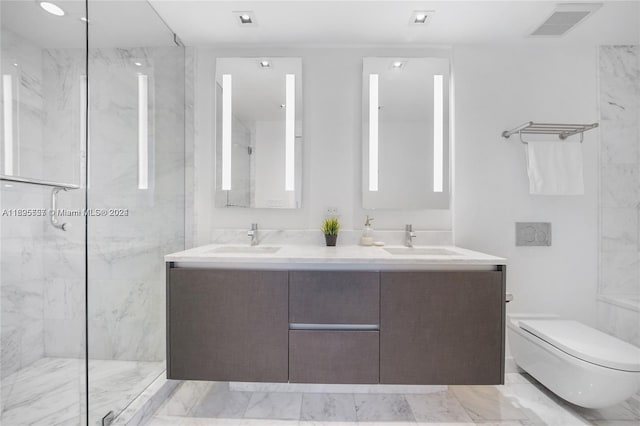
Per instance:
x=438, y=133
x=290, y=132
x=226, y=131
x=373, y=132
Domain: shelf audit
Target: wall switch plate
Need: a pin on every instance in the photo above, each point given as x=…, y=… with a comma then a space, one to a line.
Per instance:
x=533, y=233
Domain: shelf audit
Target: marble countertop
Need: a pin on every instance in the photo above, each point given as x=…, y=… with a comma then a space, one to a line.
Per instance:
x=291, y=255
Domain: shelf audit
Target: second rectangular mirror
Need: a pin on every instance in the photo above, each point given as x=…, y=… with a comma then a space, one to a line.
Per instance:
x=405, y=117
x=258, y=132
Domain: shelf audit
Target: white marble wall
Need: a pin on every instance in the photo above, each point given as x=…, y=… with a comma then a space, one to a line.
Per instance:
x=22, y=284
x=619, y=200
x=21, y=251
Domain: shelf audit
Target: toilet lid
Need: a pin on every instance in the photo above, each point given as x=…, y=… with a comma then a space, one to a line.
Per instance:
x=585, y=343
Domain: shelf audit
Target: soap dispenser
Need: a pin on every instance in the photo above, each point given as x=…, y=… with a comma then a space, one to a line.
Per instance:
x=367, y=233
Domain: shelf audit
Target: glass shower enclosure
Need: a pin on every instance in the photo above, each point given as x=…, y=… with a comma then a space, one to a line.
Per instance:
x=92, y=197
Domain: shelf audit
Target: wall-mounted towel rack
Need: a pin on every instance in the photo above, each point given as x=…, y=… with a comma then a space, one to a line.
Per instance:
x=562, y=130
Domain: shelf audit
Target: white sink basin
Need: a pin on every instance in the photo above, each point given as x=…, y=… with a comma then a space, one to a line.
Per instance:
x=417, y=251
x=245, y=250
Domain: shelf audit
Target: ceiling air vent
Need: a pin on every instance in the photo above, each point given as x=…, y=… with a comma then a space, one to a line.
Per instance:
x=565, y=17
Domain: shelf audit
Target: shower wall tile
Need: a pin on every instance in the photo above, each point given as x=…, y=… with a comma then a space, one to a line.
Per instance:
x=21, y=283
x=23, y=61
x=125, y=253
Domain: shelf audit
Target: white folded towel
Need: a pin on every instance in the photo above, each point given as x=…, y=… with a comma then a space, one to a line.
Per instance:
x=555, y=168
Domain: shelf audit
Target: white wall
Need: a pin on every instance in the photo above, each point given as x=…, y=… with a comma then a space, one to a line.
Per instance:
x=331, y=145
x=497, y=88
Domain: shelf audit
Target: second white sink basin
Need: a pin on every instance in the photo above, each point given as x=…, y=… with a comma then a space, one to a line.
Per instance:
x=245, y=250
x=419, y=251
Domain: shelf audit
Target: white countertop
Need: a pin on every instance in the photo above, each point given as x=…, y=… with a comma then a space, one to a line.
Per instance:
x=351, y=255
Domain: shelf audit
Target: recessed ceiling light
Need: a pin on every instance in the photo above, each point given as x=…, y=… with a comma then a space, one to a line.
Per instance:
x=15, y=64
x=397, y=64
x=420, y=17
x=265, y=64
x=245, y=18
x=138, y=64
x=52, y=8
x=83, y=19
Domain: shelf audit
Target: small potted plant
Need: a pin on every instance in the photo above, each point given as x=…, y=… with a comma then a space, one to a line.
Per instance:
x=330, y=229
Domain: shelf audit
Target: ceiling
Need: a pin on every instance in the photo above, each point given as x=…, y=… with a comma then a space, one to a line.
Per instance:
x=135, y=23
x=287, y=23
x=113, y=23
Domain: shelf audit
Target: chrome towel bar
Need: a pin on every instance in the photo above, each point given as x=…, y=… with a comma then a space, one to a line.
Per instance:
x=563, y=131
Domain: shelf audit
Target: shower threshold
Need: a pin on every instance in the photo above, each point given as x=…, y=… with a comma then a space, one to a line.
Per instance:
x=52, y=390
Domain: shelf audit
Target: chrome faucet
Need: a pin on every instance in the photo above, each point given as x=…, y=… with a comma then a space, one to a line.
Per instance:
x=409, y=235
x=253, y=233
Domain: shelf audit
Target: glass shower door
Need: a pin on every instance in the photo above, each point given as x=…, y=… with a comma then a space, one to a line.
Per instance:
x=136, y=189
x=42, y=250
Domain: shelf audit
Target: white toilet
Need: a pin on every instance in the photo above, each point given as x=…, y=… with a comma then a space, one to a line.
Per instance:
x=578, y=363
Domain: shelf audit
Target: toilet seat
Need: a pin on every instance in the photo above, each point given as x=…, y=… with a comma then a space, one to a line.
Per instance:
x=585, y=343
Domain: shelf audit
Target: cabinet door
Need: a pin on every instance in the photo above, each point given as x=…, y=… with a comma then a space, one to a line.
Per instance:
x=442, y=327
x=227, y=325
x=317, y=356
x=330, y=297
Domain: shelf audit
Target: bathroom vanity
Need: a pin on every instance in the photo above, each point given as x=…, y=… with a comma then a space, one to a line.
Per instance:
x=357, y=315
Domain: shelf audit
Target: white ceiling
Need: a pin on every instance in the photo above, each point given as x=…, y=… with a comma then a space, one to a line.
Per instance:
x=287, y=23
x=113, y=23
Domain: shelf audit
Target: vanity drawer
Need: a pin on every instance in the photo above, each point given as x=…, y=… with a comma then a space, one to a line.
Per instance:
x=318, y=356
x=328, y=297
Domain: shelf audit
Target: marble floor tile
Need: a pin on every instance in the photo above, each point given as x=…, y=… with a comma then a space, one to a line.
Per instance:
x=283, y=406
x=222, y=404
x=187, y=396
x=617, y=412
x=485, y=403
x=437, y=407
x=516, y=378
x=51, y=390
x=328, y=407
x=615, y=423
x=539, y=407
x=385, y=408
x=202, y=421
x=161, y=420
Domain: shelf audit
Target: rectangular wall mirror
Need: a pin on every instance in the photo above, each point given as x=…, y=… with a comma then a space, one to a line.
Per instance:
x=405, y=127
x=258, y=132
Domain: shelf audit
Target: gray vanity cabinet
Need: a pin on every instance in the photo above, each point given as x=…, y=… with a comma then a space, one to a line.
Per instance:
x=227, y=325
x=442, y=327
x=392, y=327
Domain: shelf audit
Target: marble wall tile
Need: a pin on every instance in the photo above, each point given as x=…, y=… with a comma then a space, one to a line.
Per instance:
x=619, y=260
x=619, y=321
